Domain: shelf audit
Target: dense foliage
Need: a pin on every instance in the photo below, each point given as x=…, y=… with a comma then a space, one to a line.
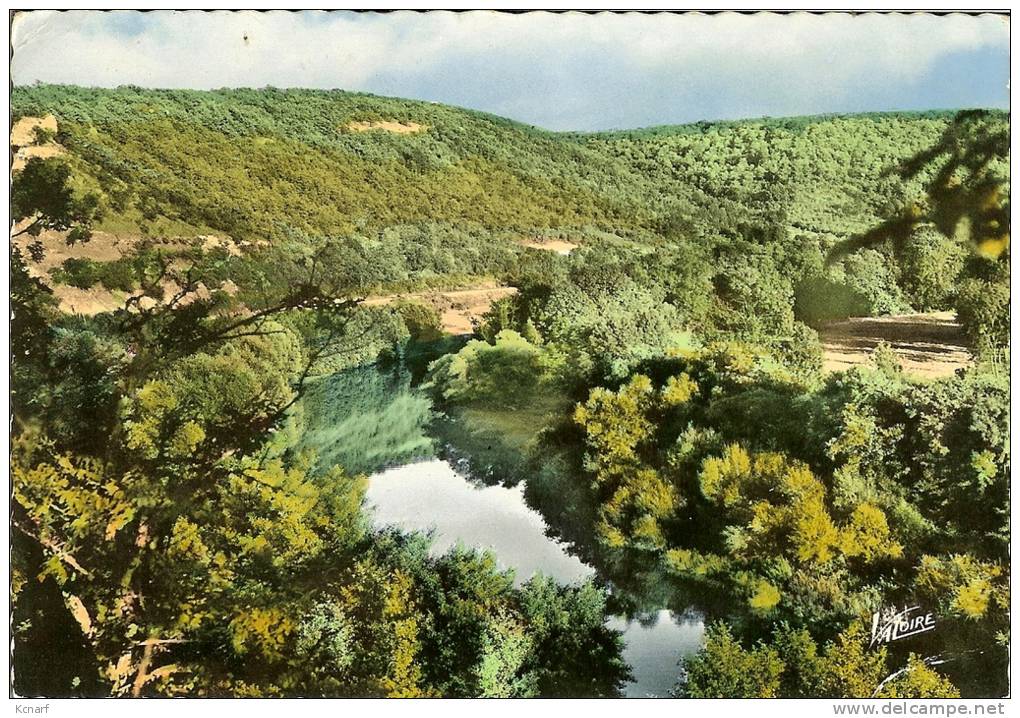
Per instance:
x=178, y=531
x=188, y=551
x=763, y=202
x=794, y=667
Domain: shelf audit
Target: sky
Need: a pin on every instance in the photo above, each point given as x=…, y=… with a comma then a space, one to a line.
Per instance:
x=567, y=71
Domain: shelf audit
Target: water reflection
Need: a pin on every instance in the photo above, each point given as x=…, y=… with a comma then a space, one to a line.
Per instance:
x=432, y=496
x=369, y=420
x=654, y=650
x=364, y=419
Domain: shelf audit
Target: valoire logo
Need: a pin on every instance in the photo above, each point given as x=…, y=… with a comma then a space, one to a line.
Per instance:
x=890, y=624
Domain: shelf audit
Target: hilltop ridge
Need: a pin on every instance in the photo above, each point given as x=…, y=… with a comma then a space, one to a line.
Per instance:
x=254, y=162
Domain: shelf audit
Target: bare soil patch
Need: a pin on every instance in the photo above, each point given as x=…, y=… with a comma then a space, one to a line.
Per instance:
x=400, y=128
x=23, y=132
x=928, y=345
x=23, y=137
x=458, y=308
x=23, y=155
x=211, y=242
x=550, y=245
x=102, y=247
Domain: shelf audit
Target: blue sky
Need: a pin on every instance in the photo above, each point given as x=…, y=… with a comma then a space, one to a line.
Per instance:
x=566, y=71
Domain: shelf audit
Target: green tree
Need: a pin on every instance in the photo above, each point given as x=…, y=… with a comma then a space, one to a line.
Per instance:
x=724, y=669
x=41, y=193
x=793, y=666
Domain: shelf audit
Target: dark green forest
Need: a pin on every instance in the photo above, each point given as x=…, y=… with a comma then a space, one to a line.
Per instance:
x=188, y=514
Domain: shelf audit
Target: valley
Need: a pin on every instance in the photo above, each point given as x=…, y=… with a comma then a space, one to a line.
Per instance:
x=322, y=393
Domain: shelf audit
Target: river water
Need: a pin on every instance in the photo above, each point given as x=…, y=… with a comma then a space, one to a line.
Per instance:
x=376, y=422
x=430, y=495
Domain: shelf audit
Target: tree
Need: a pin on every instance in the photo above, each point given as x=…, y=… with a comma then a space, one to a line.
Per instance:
x=968, y=197
x=33, y=310
x=507, y=371
x=422, y=321
x=635, y=498
x=576, y=655
x=724, y=669
x=966, y=200
x=792, y=665
x=930, y=266
x=41, y=193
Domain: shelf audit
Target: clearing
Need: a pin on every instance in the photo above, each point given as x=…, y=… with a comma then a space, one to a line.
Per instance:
x=458, y=308
x=401, y=128
x=23, y=132
x=559, y=246
x=930, y=345
x=23, y=138
x=102, y=247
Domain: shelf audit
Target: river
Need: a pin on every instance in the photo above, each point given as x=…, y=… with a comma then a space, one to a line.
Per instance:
x=430, y=495
x=376, y=422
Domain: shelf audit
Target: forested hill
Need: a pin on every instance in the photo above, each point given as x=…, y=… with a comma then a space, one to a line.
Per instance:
x=247, y=162
x=256, y=163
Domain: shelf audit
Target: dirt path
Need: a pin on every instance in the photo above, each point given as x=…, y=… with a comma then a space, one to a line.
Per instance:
x=927, y=345
x=458, y=308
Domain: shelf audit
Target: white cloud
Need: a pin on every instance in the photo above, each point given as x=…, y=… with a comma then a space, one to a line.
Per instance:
x=563, y=70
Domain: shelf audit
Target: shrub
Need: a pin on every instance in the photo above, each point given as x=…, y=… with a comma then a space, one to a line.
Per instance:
x=818, y=299
x=118, y=275
x=423, y=322
x=930, y=267
x=76, y=272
